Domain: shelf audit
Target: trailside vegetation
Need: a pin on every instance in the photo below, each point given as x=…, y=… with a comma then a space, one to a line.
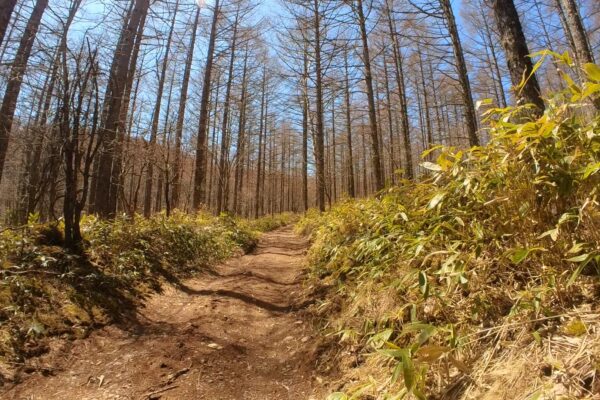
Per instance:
x=47, y=290
x=481, y=279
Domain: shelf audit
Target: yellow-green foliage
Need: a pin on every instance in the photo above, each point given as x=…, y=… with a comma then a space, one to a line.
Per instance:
x=272, y=222
x=46, y=290
x=510, y=230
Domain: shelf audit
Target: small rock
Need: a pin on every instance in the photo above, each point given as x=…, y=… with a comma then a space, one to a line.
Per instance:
x=305, y=339
x=288, y=338
x=215, y=346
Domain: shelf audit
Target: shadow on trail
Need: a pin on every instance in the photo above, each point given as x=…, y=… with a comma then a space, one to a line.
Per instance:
x=252, y=275
x=265, y=305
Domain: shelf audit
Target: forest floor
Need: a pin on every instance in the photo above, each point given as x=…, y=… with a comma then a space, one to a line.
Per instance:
x=239, y=332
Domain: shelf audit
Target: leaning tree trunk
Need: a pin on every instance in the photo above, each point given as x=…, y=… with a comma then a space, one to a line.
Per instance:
x=15, y=79
x=517, y=54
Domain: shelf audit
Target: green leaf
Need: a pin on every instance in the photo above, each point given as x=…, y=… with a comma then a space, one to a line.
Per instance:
x=408, y=371
x=519, y=255
x=592, y=71
x=591, y=169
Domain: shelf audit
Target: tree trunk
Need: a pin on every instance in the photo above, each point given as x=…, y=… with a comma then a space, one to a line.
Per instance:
x=517, y=54
x=259, y=187
x=155, y=120
x=375, y=156
x=463, y=75
x=351, y=185
x=177, y=168
x=305, y=114
x=108, y=170
x=319, y=144
x=241, y=140
x=399, y=72
x=6, y=9
x=201, y=145
x=223, y=186
x=15, y=79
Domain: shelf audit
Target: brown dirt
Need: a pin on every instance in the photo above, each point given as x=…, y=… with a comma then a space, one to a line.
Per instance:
x=238, y=333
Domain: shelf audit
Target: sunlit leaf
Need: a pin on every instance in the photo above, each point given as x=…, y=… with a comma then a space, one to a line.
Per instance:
x=592, y=71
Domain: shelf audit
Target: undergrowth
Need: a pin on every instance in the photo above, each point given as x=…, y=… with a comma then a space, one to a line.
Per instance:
x=46, y=290
x=481, y=280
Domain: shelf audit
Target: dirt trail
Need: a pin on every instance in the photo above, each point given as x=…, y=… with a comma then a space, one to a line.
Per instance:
x=236, y=334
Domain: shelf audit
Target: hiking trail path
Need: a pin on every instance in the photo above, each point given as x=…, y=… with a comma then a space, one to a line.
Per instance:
x=238, y=332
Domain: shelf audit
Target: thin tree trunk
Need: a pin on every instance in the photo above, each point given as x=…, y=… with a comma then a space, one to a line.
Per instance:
x=222, y=188
x=399, y=72
x=463, y=74
x=351, y=185
x=156, y=118
x=177, y=167
x=319, y=144
x=241, y=140
x=305, y=114
x=201, y=145
x=258, y=192
x=374, y=132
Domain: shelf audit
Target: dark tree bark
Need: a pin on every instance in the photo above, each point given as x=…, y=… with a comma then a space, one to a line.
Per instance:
x=156, y=118
x=319, y=139
x=517, y=54
x=463, y=74
x=181, y=113
x=582, y=48
x=201, y=145
x=223, y=187
x=108, y=170
x=305, y=112
x=15, y=79
x=351, y=188
x=258, y=194
x=374, y=132
x=6, y=10
x=241, y=139
x=399, y=74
